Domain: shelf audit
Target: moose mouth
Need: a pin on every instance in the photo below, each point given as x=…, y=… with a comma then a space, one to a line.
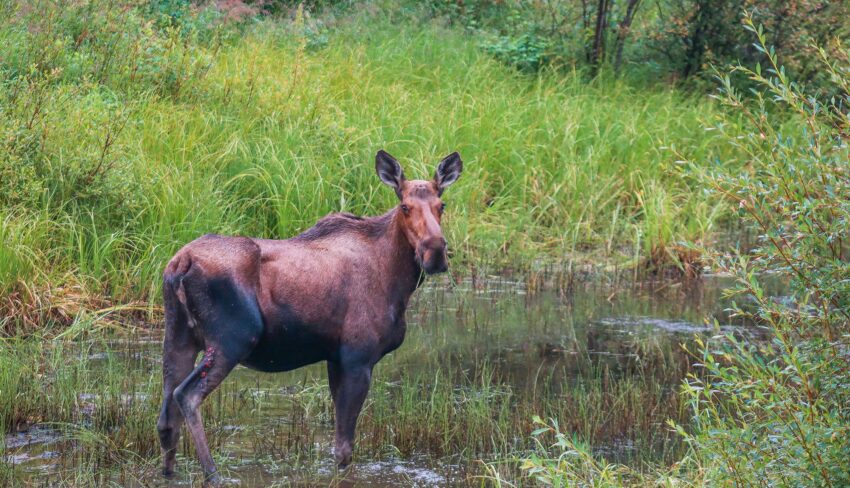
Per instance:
x=433, y=261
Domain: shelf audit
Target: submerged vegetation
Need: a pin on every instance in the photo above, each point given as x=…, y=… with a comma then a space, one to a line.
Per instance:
x=128, y=130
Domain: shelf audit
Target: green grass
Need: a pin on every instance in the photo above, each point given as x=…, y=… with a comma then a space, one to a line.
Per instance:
x=255, y=134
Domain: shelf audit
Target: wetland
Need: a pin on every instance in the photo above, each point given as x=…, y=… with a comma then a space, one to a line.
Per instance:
x=451, y=407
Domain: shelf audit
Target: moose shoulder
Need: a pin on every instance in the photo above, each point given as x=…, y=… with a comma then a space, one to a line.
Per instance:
x=335, y=293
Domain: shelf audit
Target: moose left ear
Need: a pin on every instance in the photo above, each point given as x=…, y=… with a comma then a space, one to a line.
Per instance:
x=448, y=171
x=389, y=171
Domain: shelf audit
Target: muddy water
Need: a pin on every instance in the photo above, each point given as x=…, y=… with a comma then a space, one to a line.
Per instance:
x=527, y=340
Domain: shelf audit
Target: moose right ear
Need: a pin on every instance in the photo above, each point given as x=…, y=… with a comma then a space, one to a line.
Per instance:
x=389, y=171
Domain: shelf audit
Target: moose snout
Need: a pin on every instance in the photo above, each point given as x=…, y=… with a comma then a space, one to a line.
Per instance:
x=432, y=255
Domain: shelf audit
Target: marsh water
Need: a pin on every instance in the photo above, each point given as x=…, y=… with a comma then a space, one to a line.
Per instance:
x=481, y=357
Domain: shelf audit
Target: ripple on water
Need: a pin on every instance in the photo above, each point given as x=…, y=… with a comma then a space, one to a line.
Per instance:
x=29, y=448
x=35, y=435
x=632, y=325
x=416, y=475
x=628, y=324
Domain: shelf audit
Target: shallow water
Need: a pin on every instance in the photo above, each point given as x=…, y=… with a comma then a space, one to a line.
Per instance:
x=269, y=428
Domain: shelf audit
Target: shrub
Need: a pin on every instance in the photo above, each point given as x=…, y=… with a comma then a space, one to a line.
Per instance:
x=778, y=414
x=677, y=38
x=528, y=52
x=71, y=76
x=692, y=35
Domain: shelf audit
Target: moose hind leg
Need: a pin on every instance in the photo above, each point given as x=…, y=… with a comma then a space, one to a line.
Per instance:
x=177, y=364
x=231, y=329
x=207, y=375
x=178, y=359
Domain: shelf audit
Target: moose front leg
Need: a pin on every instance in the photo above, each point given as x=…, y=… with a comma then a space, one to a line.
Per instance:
x=349, y=387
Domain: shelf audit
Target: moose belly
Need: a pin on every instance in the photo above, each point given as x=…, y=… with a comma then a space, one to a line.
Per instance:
x=288, y=346
x=285, y=355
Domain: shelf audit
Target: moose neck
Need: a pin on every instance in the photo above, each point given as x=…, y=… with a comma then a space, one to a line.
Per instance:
x=404, y=273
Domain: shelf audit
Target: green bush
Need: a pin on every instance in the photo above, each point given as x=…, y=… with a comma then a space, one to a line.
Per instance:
x=72, y=74
x=527, y=52
x=689, y=36
x=778, y=414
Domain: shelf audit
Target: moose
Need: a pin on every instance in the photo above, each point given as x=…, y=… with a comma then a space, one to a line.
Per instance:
x=335, y=293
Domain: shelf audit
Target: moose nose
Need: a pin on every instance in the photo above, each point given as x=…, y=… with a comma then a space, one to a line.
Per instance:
x=434, y=259
x=434, y=243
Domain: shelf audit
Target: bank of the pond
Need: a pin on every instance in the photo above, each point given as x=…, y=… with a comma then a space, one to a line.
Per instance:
x=110, y=167
x=481, y=359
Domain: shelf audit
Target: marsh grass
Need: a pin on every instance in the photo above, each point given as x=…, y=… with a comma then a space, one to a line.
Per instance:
x=104, y=411
x=454, y=394
x=475, y=370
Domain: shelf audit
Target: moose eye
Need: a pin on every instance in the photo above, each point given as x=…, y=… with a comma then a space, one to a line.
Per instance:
x=405, y=208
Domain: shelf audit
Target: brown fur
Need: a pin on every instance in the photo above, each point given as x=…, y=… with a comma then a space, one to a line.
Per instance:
x=335, y=293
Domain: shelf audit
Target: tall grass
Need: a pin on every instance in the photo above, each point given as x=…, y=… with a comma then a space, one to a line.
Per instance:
x=127, y=152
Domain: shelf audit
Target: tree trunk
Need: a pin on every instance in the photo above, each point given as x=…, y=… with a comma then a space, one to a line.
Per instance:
x=623, y=32
x=696, y=42
x=597, y=54
x=585, y=23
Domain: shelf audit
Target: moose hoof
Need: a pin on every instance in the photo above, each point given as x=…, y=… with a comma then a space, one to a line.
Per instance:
x=343, y=458
x=212, y=479
x=167, y=473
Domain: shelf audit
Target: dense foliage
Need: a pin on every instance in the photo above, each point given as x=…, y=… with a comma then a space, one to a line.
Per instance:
x=774, y=410
x=676, y=39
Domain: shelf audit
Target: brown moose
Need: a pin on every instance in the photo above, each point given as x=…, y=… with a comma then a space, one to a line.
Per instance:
x=336, y=293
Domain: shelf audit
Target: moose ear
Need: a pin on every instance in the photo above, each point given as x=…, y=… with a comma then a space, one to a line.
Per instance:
x=389, y=171
x=448, y=171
